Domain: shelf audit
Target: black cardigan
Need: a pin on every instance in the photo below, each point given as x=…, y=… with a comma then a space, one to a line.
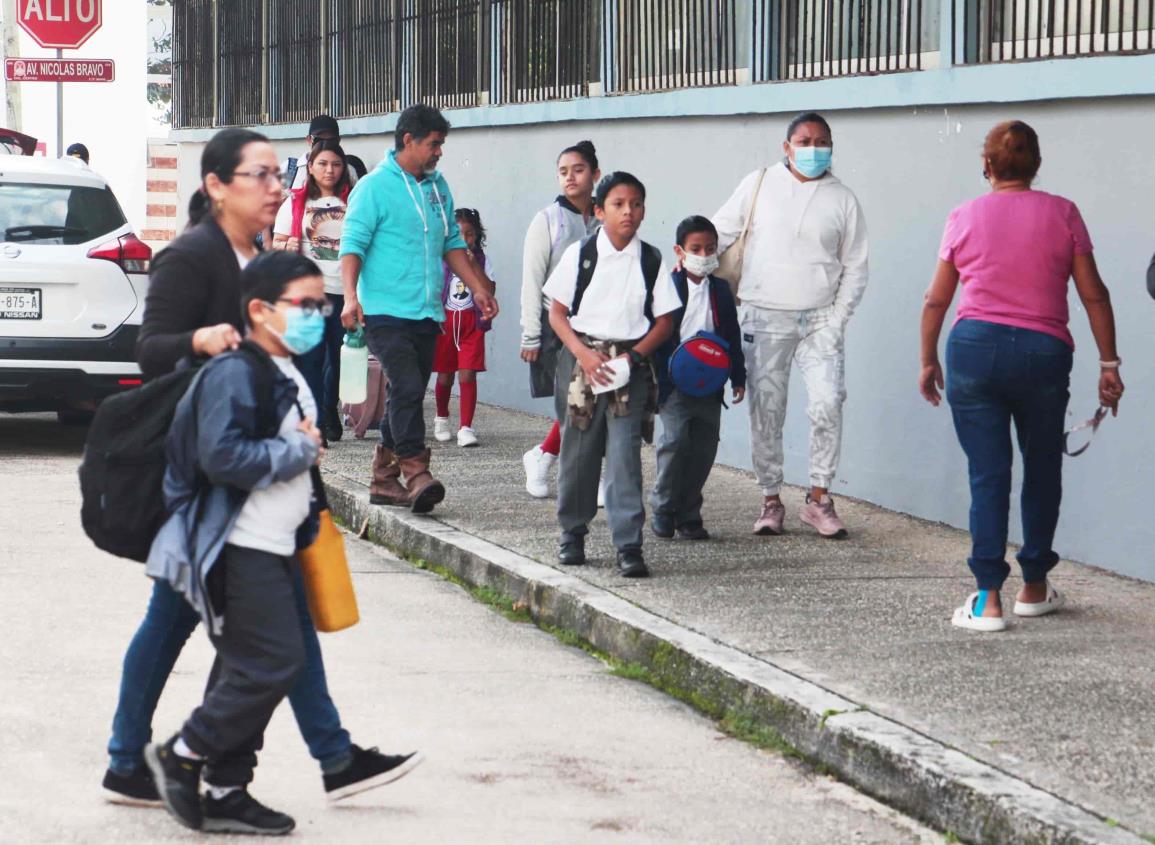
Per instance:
x=194, y=282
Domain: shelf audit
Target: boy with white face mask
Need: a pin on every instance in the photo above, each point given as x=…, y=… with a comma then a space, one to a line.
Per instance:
x=805, y=260
x=691, y=423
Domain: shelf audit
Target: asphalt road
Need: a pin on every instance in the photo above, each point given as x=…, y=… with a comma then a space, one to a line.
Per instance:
x=525, y=739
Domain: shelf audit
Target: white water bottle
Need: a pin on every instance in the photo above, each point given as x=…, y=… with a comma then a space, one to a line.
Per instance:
x=354, y=386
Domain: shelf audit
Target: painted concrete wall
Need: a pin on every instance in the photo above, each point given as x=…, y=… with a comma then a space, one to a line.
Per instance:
x=909, y=167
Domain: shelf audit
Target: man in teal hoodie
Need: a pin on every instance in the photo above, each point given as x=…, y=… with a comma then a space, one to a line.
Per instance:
x=398, y=229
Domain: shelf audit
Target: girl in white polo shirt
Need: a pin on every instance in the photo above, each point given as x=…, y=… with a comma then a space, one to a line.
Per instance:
x=612, y=303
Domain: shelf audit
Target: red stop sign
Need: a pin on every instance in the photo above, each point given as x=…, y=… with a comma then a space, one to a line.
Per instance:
x=64, y=24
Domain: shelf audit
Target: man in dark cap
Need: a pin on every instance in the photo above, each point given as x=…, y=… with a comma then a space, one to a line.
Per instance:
x=323, y=127
x=78, y=151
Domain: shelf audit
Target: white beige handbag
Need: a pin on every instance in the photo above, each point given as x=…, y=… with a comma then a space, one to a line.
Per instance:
x=730, y=261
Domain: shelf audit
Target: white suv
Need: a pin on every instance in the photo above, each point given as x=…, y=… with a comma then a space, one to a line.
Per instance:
x=73, y=278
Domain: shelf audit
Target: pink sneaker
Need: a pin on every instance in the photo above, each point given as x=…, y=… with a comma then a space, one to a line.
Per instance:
x=769, y=524
x=821, y=516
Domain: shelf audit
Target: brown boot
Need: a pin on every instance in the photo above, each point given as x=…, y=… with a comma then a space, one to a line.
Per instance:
x=386, y=489
x=425, y=491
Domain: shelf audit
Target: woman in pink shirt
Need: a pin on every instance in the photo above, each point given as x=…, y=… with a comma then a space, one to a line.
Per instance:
x=1009, y=361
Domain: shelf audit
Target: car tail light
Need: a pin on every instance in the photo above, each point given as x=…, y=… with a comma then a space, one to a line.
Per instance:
x=129, y=251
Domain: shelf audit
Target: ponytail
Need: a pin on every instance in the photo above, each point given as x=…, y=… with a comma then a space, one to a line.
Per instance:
x=198, y=207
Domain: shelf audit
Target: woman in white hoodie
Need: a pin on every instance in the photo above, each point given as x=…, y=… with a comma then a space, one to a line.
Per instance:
x=805, y=271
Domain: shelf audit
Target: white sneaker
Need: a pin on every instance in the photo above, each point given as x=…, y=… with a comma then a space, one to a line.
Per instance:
x=602, y=492
x=537, y=464
x=466, y=437
x=441, y=430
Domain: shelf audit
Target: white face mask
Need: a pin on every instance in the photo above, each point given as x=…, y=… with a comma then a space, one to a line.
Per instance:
x=700, y=265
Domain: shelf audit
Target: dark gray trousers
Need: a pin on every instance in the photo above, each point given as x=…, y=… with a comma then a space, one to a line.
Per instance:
x=405, y=349
x=619, y=440
x=691, y=428
x=260, y=652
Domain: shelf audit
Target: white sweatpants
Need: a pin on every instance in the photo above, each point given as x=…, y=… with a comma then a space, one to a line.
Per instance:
x=772, y=341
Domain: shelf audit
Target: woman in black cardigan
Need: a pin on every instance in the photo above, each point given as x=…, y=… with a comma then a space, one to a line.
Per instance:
x=193, y=311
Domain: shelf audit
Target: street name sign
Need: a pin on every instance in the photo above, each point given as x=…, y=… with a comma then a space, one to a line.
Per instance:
x=59, y=70
x=62, y=24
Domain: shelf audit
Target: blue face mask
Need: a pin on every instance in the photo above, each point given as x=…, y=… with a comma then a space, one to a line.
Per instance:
x=812, y=162
x=302, y=331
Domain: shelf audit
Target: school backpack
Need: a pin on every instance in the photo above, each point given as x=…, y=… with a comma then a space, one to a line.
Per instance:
x=122, y=470
x=588, y=262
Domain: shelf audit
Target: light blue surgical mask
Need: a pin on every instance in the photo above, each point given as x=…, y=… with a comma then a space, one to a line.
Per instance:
x=302, y=331
x=812, y=162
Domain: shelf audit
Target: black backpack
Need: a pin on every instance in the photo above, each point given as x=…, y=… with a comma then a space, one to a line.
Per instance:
x=588, y=261
x=122, y=471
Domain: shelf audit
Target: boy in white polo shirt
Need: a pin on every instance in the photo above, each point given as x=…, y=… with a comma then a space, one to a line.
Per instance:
x=613, y=301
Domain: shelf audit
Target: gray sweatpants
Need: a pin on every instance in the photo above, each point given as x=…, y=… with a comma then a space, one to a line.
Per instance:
x=260, y=652
x=691, y=428
x=773, y=341
x=619, y=440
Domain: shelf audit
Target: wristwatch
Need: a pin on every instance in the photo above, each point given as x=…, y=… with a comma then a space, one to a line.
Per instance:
x=636, y=358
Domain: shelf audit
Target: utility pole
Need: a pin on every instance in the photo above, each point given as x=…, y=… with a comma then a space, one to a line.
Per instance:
x=11, y=48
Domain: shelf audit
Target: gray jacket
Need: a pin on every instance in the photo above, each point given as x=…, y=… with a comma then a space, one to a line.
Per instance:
x=222, y=444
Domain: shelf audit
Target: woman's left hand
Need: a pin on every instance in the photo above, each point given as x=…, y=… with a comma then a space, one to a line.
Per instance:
x=1110, y=389
x=930, y=382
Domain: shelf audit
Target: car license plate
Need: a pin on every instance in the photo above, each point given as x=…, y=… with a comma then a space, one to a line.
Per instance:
x=20, y=304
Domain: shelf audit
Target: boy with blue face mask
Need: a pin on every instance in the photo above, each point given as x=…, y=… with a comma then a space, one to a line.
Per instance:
x=805, y=270
x=240, y=496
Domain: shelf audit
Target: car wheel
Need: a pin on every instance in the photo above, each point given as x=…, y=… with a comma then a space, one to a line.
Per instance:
x=74, y=417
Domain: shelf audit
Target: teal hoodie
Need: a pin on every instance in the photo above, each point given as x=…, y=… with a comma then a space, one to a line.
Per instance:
x=401, y=229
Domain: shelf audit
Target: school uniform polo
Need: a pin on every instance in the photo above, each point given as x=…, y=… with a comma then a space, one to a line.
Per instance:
x=613, y=306
x=699, y=314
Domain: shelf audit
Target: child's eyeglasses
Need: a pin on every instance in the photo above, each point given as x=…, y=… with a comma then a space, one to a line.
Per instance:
x=308, y=307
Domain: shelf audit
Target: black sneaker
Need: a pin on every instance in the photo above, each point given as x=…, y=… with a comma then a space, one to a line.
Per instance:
x=178, y=782
x=693, y=531
x=662, y=526
x=631, y=564
x=572, y=551
x=135, y=790
x=369, y=769
x=333, y=433
x=239, y=812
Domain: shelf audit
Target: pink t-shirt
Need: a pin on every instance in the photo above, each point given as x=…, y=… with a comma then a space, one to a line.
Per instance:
x=1014, y=251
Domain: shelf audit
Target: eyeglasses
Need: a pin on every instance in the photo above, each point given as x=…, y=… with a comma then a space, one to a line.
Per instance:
x=308, y=307
x=269, y=177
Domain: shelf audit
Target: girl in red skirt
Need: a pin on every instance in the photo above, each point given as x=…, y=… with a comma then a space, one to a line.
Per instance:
x=461, y=345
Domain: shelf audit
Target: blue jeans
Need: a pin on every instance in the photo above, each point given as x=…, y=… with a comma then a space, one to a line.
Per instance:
x=321, y=366
x=998, y=375
x=152, y=654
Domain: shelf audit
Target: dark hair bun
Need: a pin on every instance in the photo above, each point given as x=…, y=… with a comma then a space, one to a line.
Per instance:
x=586, y=150
x=1011, y=152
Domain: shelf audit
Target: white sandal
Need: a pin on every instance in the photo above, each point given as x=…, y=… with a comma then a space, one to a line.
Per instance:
x=964, y=617
x=1050, y=604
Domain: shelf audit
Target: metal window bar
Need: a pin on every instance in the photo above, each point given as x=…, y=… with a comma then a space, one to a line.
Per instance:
x=294, y=66
x=812, y=39
x=239, y=58
x=1013, y=30
x=546, y=52
x=362, y=54
x=192, y=63
x=667, y=44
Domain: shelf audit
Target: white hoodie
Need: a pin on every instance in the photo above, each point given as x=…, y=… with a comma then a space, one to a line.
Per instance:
x=806, y=247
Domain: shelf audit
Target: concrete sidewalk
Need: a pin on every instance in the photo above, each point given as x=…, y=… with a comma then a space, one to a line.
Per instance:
x=1039, y=734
